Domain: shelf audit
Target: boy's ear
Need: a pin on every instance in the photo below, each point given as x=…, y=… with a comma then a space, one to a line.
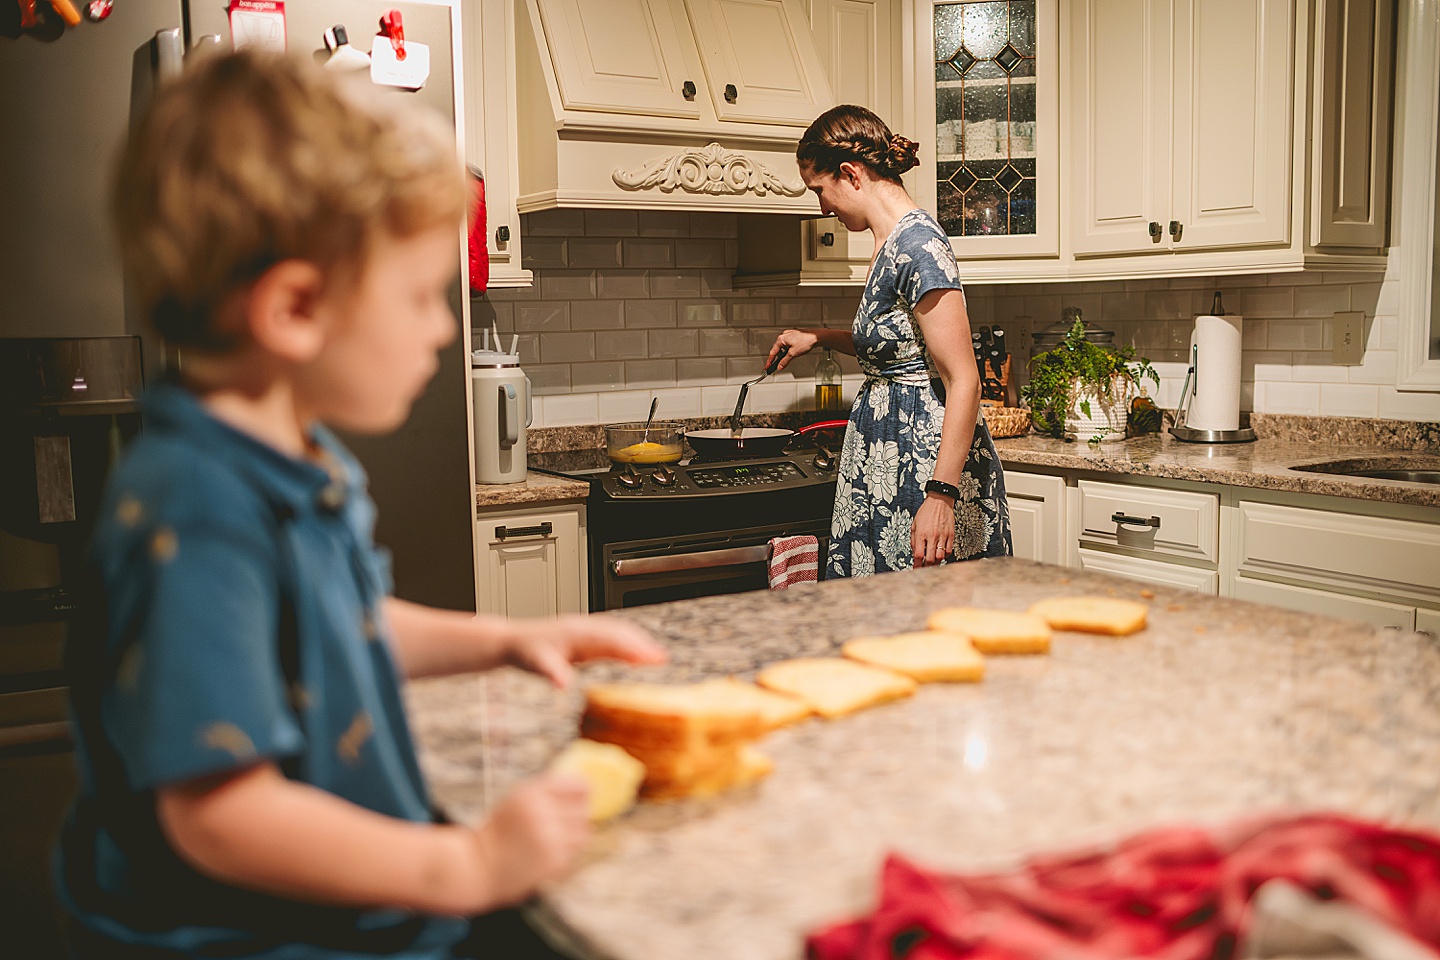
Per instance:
x=283, y=311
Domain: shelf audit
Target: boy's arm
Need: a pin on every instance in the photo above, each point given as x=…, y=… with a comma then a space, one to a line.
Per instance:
x=258, y=830
x=432, y=643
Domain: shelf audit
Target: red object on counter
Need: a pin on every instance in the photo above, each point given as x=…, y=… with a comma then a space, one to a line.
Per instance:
x=1178, y=892
x=479, y=255
x=392, y=25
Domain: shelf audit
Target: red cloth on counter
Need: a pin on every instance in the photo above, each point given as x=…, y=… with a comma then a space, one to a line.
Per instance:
x=794, y=560
x=1181, y=893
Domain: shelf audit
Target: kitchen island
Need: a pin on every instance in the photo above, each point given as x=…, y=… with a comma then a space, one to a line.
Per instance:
x=1218, y=709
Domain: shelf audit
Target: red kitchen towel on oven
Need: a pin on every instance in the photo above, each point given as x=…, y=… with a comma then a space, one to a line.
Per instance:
x=1181, y=893
x=794, y=560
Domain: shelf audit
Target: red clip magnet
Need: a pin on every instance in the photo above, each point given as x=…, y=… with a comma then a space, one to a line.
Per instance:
x=392, y=25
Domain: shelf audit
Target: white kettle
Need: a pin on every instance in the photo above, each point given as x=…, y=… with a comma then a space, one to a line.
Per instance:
x=502, y=411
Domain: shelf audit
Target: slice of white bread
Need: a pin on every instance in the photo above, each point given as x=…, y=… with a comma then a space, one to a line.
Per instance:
x=1106, y=615
x=613, y=775
x=663, y=764
x=669, y=716
x=776, y=709
x=751, y=765
x=928, y=657
x=835, y=687
x=995, y=631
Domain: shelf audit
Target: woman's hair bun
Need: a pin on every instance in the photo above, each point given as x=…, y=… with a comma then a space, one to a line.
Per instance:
x=902, y=154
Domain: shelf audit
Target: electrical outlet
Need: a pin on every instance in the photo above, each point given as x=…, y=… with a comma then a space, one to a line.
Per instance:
x=1348, y=338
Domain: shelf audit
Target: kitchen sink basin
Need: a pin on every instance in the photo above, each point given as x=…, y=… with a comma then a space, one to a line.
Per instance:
x=1409, y=470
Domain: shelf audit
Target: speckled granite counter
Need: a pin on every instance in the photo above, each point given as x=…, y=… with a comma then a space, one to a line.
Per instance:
x=1219, y=708
x=1266, y=464
x=536, y=488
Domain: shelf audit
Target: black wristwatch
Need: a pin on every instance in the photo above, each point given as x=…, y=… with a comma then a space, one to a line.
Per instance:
x=942, y=488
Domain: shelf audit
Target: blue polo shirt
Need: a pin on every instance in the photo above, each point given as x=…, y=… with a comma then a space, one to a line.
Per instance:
x=237, y=619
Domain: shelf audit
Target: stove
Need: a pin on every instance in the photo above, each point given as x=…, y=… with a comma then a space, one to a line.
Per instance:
x=696, y=528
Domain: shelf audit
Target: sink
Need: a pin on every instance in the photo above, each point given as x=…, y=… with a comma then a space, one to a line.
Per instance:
x=1405, y=469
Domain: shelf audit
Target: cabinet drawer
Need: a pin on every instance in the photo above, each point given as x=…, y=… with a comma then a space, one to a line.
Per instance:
x=1349, y=551
x=1174, y=523
x=1378, y=612
x=1152, y=571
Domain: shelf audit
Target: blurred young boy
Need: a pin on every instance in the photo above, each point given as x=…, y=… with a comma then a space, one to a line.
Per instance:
x=250, y=788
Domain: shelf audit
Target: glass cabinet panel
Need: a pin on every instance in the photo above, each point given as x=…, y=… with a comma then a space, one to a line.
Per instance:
x=986, y=136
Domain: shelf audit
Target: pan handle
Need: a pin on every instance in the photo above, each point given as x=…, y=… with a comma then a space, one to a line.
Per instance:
x=825, y=425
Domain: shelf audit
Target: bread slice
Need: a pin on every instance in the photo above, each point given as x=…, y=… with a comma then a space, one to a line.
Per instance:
x=613, y=775
x=751, y=765
x=835, y=687
x=995, y=631
x=665, y=764
x=776, y=709
x=1093, y=614
x=928, y=657
x=669, y=716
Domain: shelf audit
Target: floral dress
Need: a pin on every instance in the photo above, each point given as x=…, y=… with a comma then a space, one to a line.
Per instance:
x=894, y=432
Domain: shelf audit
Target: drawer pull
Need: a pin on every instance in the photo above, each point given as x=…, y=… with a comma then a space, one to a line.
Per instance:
x=1136, y=521
x=509, y=533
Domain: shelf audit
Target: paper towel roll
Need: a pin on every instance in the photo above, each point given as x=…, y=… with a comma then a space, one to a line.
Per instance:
x=1215, y=346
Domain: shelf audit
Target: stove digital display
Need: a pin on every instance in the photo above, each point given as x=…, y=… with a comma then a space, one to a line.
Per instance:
x=745, y=476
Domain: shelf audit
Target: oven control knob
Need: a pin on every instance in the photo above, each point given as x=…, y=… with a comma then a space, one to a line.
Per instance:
x=824, y=460
x=630, y=478
x=664, y=477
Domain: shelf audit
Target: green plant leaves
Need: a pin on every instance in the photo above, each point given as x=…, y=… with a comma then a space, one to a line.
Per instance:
x=1054, y=374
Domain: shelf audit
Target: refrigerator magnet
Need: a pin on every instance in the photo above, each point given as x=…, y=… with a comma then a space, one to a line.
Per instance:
x=258, y=23
x=387, y=68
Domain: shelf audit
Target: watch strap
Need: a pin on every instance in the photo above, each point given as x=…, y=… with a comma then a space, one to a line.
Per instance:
x=942, y=488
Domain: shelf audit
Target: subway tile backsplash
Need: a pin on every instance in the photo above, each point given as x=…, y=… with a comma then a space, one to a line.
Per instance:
x=631, y=305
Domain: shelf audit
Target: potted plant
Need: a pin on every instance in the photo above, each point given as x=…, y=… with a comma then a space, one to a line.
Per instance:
x=1081, y=390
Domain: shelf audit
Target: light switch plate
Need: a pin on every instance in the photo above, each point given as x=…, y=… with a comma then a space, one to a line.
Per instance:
x=1348, y=340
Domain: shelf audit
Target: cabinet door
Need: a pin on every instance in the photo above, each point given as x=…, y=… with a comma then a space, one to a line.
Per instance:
x=1037, y=515
x=854, y=40
x=490, y=130
x=1120, y=98
x=621, y=56
x=1232, y=128
x=829, y=240
x=531, y=564
x=760, y=60
x=1327, y=604
x=1152, y=571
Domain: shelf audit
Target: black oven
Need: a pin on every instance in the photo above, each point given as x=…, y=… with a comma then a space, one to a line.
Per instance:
x=697, y=528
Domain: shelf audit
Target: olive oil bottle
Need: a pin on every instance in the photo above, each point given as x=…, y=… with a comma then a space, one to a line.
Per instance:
x=827, y=384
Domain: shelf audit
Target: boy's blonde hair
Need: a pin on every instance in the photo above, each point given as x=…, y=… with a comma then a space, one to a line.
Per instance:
x=250, y=159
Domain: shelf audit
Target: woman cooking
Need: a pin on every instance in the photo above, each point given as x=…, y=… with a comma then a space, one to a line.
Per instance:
x=916, y=487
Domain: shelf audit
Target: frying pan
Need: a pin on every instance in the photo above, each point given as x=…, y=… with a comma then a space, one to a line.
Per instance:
x=722, y=444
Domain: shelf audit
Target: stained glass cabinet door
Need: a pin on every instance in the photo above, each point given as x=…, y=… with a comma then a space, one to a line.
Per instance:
x=987, y=120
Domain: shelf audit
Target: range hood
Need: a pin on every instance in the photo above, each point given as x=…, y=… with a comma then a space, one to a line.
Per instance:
x=665, y=104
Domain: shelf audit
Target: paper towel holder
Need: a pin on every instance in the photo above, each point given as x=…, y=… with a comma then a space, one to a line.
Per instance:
x=1183, y=431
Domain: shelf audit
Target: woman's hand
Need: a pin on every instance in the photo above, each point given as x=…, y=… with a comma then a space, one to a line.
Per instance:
x=932, y=536
x=797, y=342
x=548, y=647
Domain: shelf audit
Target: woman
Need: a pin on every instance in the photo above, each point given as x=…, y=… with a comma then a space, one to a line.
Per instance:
x=920, y=482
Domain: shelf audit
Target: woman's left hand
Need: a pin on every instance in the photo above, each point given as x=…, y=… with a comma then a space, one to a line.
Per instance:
x=932, y=535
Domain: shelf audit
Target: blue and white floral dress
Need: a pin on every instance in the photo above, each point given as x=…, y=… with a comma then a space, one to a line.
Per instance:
x=894, y=432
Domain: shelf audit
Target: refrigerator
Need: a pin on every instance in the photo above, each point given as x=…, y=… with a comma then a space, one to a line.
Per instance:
x=71, y=92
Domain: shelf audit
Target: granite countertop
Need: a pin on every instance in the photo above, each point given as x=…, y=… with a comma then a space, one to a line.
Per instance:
x=536, y=488
x=1219, y=708
x=1267, y=463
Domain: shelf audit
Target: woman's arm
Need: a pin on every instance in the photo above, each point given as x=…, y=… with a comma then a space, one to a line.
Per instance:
x=437, y=643
x=945, y=325
x=800, y=342
x=260, y=831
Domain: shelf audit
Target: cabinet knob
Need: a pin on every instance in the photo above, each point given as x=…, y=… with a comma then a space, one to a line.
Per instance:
x=687, y=90
x=1155, y=231
x=731, y=94
x=1176, y=228
x=502, y=234
x=827, y=239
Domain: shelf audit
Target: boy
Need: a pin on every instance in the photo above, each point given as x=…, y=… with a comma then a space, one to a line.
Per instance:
x=250, y=788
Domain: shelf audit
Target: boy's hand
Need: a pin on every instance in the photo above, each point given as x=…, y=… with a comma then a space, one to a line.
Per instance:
x=548, y=647
x=533, y=837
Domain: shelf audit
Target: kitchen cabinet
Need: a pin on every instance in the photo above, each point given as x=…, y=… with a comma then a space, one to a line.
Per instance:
x=1037, y=516
x=532, y=562
x=1378, y=612
x=490, y=129
x=1150, y=571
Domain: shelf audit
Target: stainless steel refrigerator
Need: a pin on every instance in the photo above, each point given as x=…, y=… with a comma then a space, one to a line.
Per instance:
x=70, y=95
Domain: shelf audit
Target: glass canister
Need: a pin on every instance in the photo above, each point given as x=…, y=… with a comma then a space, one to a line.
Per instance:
x=827, y=384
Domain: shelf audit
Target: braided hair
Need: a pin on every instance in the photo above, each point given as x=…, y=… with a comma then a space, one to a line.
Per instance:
x=852, y=134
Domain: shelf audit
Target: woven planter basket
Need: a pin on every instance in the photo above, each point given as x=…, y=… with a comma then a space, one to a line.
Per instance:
x=1007, y=421
x=1107, y=416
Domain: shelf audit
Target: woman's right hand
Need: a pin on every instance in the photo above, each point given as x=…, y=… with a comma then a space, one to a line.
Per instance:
x=797, y=342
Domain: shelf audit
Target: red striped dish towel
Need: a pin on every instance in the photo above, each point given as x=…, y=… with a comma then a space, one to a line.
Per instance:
x=794, y=560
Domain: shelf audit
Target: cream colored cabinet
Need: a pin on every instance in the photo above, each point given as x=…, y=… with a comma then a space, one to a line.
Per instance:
x=1309, y=600
x=490, y=131
x=1155, y=534
x=760, y=60
x=532, y=562
x=1181, y=115
x=1151, y=571
x=1037, y=515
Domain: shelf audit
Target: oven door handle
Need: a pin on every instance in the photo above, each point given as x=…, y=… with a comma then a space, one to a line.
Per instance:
x=642, y=566
x=32, y=734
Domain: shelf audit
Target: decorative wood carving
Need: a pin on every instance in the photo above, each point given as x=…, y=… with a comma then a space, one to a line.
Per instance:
x=709, y=169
